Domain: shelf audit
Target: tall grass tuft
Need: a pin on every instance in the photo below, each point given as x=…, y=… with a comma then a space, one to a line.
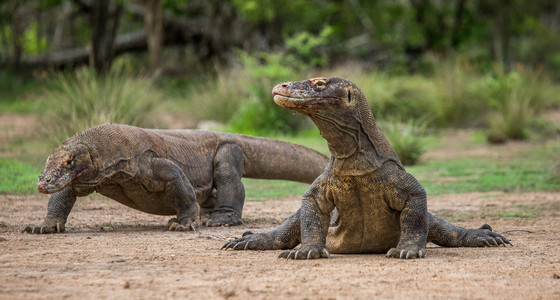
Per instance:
x=515, y=99
x=81, y=100
x=219, y=98
x=408, y=138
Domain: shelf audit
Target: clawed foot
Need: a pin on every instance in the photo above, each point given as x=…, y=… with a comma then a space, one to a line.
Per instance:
x=407, y=252
x=223, y=219
x=484, y=237
x=50, y=226
x=174, y=225
x=306, y=252
x=250, y=241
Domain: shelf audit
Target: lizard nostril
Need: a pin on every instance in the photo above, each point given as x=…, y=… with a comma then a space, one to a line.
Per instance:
x=285, y=84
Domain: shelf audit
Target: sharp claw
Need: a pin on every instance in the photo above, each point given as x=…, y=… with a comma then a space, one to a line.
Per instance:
x=487, y=243
x=42, y=229
x=296, y=255
x=408, y=254
x=246, y=245
x=402, y=254
x=421, y=253
x=289, y=254
x=192, y=227
x=309, y=253
x=495, y=243
x=326, y=252
x=500, y=241
x=390, y=252
x=235, y=246
x=57, y=227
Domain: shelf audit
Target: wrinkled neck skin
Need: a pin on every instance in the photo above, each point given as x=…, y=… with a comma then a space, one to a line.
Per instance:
x=352, y=148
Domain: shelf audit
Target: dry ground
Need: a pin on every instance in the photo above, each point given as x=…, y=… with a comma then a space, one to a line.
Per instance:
x=111, y=251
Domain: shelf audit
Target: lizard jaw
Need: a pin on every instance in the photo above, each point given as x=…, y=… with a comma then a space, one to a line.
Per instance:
x=46, y=184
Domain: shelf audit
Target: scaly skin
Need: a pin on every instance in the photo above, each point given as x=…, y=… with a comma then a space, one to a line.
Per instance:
x=166, y=172
x=376, y=206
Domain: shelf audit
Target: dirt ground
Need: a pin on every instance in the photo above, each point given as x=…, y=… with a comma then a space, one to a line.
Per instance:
x=112, y=251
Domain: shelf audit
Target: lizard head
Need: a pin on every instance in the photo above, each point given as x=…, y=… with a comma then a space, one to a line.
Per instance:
x=318, y=95
x=341, y=113
x=66, y=163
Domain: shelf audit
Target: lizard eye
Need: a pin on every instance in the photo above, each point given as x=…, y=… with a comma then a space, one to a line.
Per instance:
x=320, y=84
x=349, y=96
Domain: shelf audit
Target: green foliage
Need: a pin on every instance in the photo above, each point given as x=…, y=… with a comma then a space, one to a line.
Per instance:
x=305, y=47
x=219, y=98
x=515, y=99
x=407, y=138
x=258, y=114
x=80, y=100
x=18, y=177
x=15, y=91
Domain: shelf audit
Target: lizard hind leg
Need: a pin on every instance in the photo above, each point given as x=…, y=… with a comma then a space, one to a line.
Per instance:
x=230, y=193
x=179, y=193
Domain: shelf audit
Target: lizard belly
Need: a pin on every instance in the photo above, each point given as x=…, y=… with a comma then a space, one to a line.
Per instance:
x=366, y=224
x=127, y=190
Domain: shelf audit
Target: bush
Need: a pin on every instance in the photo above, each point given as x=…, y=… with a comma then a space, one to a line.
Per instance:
x=407, y=138
x=82, y=99
x=515, y=99
x=259, y=114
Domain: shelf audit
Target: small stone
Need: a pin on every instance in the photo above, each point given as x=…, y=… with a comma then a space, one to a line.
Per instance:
x=556, y=276
x=126, y=285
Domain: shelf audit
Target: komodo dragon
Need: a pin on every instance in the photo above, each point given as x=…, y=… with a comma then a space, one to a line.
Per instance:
x=166, y=172
x=377, y=206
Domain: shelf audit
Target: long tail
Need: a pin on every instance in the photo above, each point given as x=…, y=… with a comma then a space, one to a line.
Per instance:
x=273, y=159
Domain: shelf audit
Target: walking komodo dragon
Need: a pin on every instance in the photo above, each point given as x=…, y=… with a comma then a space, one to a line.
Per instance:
x=166, y=172
x=377, y=207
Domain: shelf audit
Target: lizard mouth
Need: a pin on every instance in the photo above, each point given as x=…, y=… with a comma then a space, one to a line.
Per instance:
x=296, y=103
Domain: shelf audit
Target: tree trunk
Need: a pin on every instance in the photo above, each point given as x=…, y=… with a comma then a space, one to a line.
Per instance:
x=103, y=34
x=18, y=29
x=153, y=21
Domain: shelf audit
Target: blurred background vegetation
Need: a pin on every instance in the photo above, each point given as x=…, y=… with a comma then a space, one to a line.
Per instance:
x=424, y=65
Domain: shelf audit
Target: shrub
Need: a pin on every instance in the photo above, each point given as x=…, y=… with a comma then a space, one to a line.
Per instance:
x=407, y=138
x=258, y=114
x=81, y=100
x=515, y=98
x=219, y=99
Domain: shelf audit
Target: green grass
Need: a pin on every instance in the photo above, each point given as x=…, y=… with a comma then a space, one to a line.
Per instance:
x=257, y=189
x=18, y=177
x=533, y=170
x=520, y=211
x=516, y=211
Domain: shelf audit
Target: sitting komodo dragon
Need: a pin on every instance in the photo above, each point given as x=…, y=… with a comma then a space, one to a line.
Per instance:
x=376, y=206
x=166, y=172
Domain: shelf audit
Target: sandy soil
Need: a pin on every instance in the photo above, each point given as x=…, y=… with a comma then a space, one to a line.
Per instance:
x=111, y=251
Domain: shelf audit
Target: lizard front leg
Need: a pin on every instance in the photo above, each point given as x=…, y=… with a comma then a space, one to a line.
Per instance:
x=413, y=217
x=179, y=192
x=59, y=207
x=314, y=227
